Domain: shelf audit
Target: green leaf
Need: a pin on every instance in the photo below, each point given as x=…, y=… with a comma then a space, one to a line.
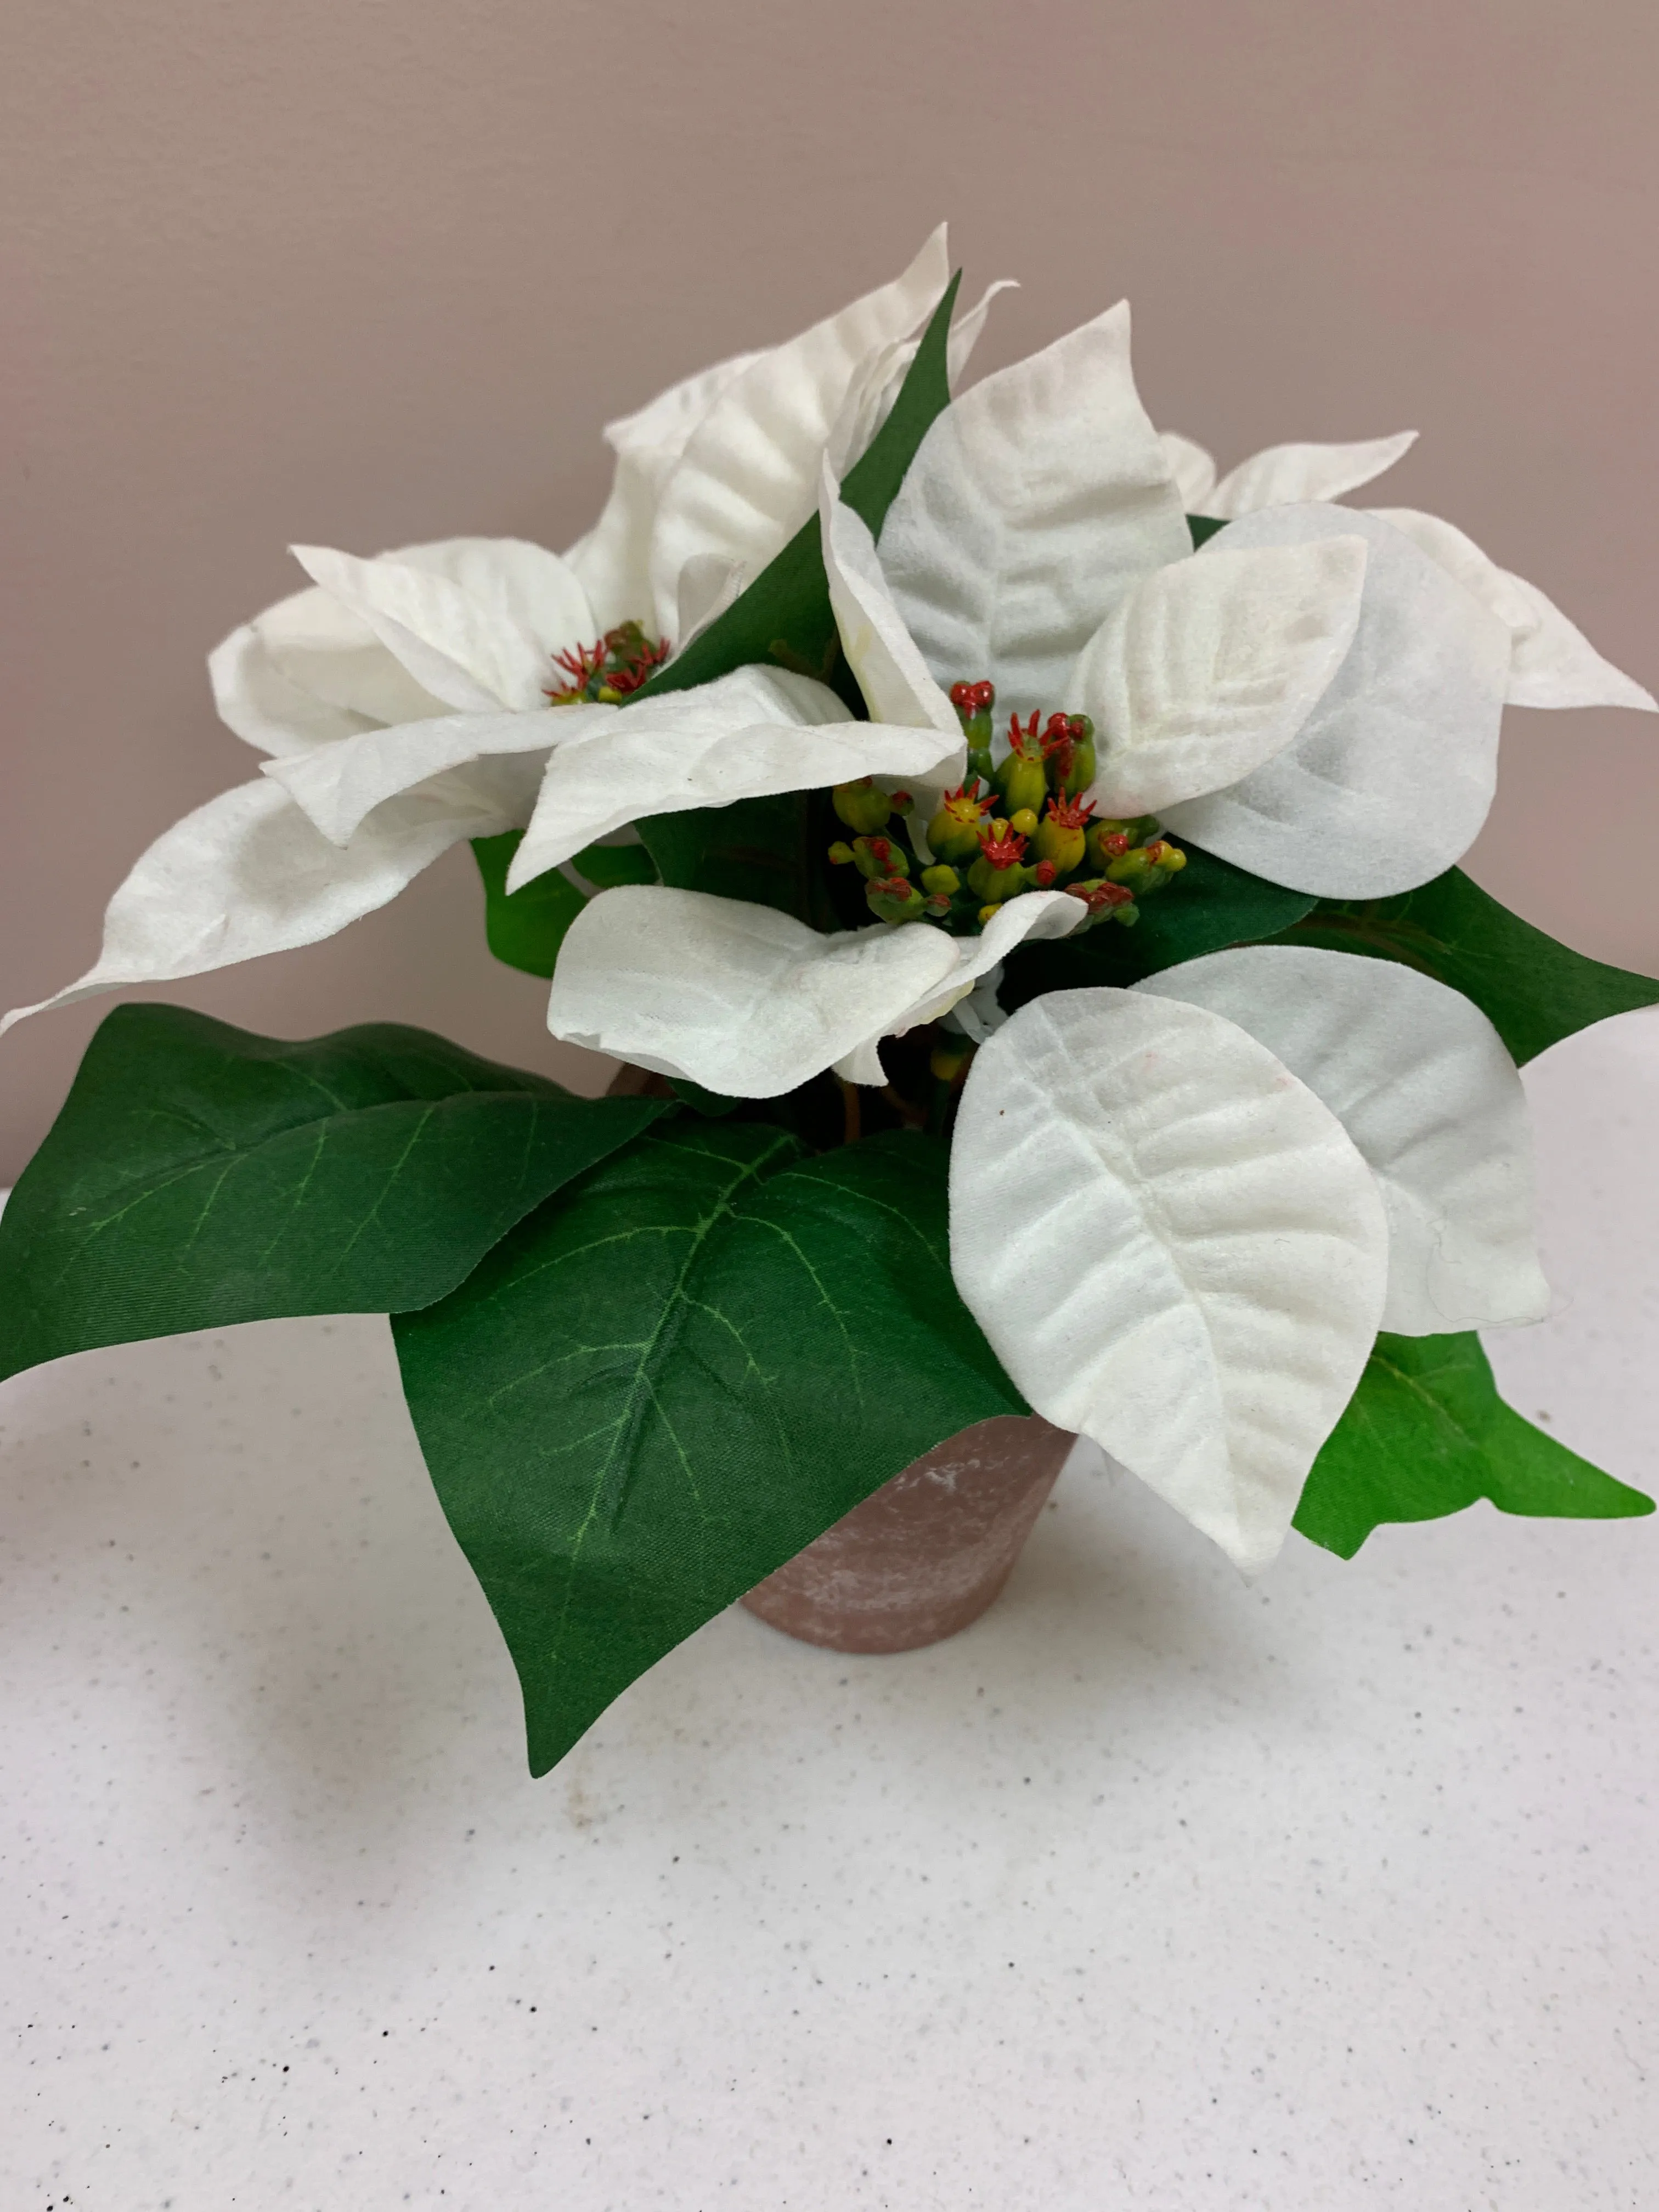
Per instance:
x=770, y=851
x=1426, y=1434
x=1203, y=528
x=668, y=1382
x=1532, y=989
x=1210, y=905
x=198, y=1177
x=712, y=1104
x=526, y=928
x=608, y=865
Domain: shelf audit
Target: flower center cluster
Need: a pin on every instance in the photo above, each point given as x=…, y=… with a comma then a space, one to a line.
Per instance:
x=1019, y=824
x=609, y=668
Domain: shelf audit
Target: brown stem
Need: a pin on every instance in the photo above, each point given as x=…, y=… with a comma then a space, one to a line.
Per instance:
x=852, y=1112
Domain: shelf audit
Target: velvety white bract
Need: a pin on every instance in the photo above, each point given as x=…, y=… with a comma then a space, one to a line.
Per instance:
x=613, y=559
x=739, y=997
x=479, y=639
x=1278, y=476
x=249, y=874
x=1032, y=914
x=1391, y=774
x=352, y=687
x=1552, y=662
x=752, y=1002
x=1420, y=1080
x=1211, y=664
x=755, y=731
x=338, y=786
x=748, y=475
x=893, y=676
x=1173, y=1247
x=1036, y=499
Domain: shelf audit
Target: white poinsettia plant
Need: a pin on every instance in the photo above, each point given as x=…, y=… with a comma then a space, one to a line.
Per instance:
x=1020, y=867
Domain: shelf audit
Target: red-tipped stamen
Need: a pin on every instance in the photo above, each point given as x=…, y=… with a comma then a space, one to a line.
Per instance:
x=1070, y=813
x=1002, y=852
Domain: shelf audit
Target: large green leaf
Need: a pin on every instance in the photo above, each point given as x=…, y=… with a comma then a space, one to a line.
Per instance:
x=770, y=850
x=660, y=1388
x=199, y=1176
x=1210, y=905
x=1532, y=989
x=1426, y=1434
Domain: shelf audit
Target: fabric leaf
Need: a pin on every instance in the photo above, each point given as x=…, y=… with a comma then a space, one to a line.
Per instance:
x=1533, y=990
x=1426, y=1434
x=525, y=928
x=198, y=1177
x=663, y=1386
x=1209, y=905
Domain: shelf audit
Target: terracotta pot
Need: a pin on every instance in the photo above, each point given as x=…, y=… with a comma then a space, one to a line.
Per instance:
x=928, y=1551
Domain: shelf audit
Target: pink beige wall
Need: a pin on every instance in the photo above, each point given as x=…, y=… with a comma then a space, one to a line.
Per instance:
x=362, y=271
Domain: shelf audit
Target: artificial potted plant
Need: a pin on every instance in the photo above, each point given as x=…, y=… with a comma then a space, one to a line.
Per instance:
x=1017, y=873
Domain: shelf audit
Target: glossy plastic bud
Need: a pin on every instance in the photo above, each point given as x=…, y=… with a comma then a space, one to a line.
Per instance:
x=940, y=881
x=999, y=872
x=891, y=898
x=1068, y=749
x=953, y=833
x=1061, y=837
x=1023, y=777
x=1108, y=840
x=1106, y=901
x=973, y=704
x=861, y=806
x=878, y=856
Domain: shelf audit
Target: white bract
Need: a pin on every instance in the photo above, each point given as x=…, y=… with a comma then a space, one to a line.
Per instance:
x=404, y=701
x=1181, y=1230
x=1420, y=1080
x=1553, y=662
x=1172, y=1246
x=751, y=1002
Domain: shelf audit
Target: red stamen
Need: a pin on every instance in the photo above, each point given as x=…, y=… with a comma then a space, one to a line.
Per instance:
x=1002, y=852
x=1022, y=735
x=1070, y=813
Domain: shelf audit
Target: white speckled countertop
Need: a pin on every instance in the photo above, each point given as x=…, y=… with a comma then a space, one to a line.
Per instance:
x=1152, y=1891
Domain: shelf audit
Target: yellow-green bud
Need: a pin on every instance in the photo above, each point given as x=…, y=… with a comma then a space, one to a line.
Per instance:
x=879, y=856
x=1024, y=823
x=840, y=854
x=940, y=881
x=953, y=833
x=1023, y=782
x=861, y=806
x=891, y=899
